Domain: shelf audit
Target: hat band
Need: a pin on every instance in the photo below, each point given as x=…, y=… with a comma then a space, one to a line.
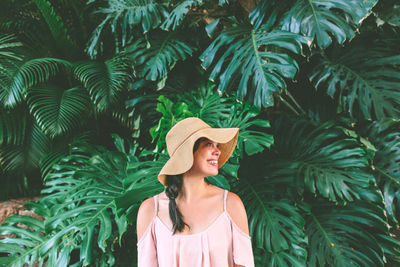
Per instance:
x=184, y=140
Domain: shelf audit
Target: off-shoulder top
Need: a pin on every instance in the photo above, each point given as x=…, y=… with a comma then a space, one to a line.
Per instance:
x=221, y=244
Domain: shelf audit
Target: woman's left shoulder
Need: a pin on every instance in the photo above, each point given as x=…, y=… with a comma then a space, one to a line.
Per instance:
x=237, y=211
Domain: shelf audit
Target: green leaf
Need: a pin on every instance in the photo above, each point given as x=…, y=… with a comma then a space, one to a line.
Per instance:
x=104, y=80
x=206, y=104
x=267, y=13
x=22, y=143
x=321, y=19
x=57, y=28
x=364, y=76
x=347, y=235
x=260, y=59
x=252, y=136
x=385, y=135
x=57, y=111
x=274, y=225
x=30, y=74
x=179, y=12
x=123, y=16
x=322, y=159
x=159, y=55
x=171, y=114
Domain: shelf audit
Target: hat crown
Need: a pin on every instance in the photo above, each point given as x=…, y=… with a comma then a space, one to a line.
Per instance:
x=182, y=131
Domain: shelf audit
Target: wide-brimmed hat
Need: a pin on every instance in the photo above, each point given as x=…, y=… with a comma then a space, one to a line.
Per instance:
x=180, y=141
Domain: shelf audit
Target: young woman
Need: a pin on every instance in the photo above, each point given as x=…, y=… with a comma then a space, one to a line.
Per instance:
x=193, y=223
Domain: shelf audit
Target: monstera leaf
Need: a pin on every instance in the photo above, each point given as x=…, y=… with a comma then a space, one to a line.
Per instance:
x=268, y=12
x=159, y=55
x=385, y=135
x=80, y=212
x=171, y=114
x=275, y=222
x=252, y=130
x=321, y=19
x=260, y=59
x=350, y=235
x=206, y=104
x=123, y=16
x=322, y=158
x=365, y=76
x=179, y=12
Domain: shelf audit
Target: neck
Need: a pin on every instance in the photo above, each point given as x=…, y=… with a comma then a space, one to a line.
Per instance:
x=193, y=187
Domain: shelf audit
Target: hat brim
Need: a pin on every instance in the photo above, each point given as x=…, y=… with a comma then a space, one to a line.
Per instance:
x=182, y=160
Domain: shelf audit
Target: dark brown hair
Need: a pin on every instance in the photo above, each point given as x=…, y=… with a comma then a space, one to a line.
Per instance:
x=174, y=184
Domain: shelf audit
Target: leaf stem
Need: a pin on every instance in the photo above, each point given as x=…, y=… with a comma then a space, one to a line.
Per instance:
x=294, y=101
x=387, y=175
x=288, y=105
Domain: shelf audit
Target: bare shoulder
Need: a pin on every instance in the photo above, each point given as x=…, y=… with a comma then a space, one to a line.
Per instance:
x=145, y=215
x=237, y=211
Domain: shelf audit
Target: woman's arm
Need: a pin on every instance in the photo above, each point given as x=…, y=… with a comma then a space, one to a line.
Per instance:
x=237, y=211
x=147, y=249
x=144, y=217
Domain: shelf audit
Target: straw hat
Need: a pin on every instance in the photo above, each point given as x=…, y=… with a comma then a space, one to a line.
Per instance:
x=180, y=141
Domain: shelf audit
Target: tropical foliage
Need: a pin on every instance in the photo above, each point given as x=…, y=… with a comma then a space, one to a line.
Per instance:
x=89, y=89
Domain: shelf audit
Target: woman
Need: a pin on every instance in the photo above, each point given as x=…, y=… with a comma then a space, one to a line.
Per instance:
x=193, y=223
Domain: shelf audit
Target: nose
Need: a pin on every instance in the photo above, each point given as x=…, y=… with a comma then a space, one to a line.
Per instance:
x=217, y=150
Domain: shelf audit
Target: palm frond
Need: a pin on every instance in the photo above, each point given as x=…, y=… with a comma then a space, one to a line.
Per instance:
x=260, y=59
x=7, y=45
x=31, y=73
x=57, y=27
x=10, y=60
x=364, y=76
x=23, y=144
x=323, y=19
x=57, y=111
x=104, y=80
x=12, y=130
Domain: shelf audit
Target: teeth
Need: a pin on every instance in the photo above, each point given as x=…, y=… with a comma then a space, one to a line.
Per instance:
x=213, y=161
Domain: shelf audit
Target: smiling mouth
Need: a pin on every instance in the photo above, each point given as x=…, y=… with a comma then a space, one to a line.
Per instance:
x=213, y=162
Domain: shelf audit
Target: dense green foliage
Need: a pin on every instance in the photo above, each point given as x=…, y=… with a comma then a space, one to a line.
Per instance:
x=89, y=89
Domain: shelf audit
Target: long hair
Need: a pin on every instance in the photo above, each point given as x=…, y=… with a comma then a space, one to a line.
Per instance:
x=174, y=184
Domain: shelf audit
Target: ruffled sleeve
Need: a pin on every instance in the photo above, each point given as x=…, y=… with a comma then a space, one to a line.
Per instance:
x=242, y=249
x=147, y=251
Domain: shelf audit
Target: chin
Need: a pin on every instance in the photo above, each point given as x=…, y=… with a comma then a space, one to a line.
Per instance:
x=212, y=173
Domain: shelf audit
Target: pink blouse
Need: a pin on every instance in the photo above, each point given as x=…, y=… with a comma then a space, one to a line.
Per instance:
x=221, y=244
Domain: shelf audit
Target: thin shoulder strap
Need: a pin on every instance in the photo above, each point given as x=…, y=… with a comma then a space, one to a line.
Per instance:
x=225, y=194
x=156, y=204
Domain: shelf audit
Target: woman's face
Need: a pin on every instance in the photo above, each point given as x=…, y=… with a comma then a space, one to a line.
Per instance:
x=206, y=158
